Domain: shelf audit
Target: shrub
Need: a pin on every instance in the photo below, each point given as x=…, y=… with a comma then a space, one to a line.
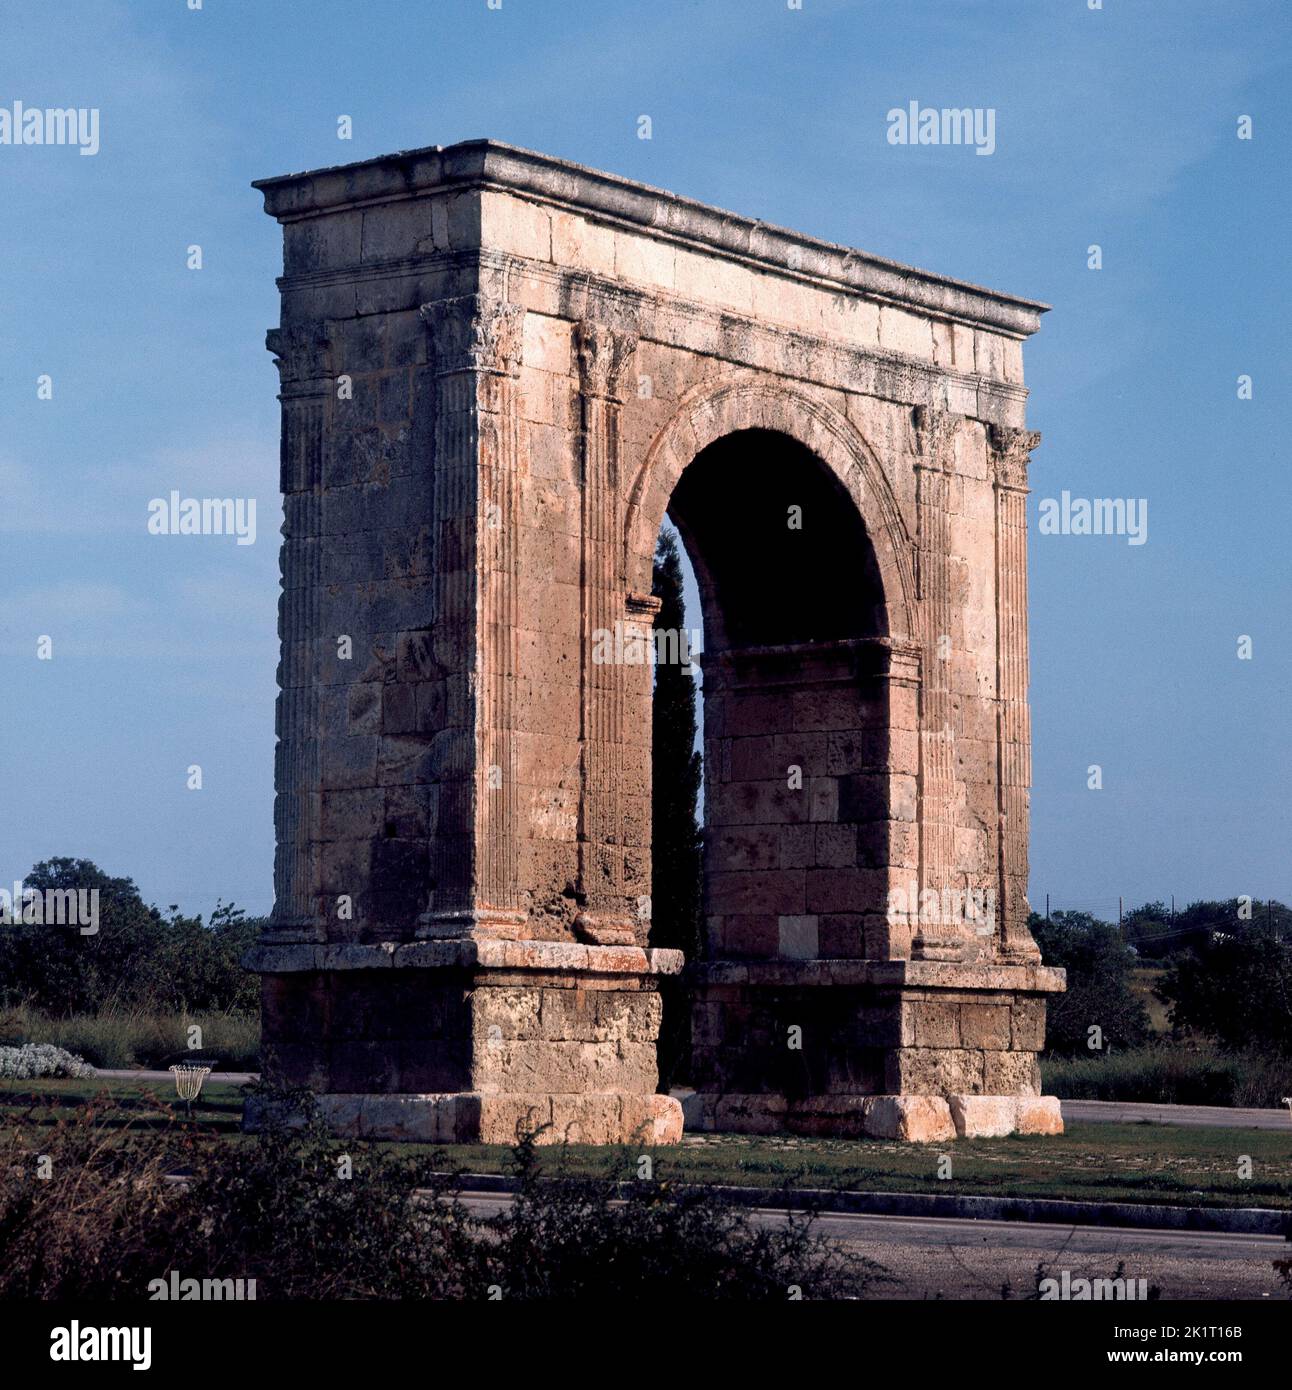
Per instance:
x=137, y=958
x=32, y=1060
x=122, y=1038
x=1235, y=987
x=83, y=1203
x=1171, y=1075
x=278, y=1209
x=1099, y=993
x=592, y=1238
x=1159, y=933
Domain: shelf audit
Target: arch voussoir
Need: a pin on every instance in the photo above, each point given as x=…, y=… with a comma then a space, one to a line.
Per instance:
x=741, y=402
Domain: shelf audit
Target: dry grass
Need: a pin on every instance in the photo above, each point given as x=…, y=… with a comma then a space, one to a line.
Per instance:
x=126, y=1038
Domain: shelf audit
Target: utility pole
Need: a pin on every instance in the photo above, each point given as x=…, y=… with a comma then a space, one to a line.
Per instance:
x=1047, y=907
x=1120, y=928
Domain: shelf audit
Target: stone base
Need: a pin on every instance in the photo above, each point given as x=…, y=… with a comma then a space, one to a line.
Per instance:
x=916, y=1050
x=469, y=1040
x=471, y=1117
x=915, y=1119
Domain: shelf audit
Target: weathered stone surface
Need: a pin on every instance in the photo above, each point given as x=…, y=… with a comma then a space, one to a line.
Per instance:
x=993, y=1116
x=984, y=1117
x=471, y=1118
x=920, y=1119
x=1011, y=1073
x=498, y=372
x=934, y=1071
x=985, y=1025
x=1039, y=1115
x=916, y=1119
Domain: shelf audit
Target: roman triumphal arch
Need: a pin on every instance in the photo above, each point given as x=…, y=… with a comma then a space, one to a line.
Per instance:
x=499, y=373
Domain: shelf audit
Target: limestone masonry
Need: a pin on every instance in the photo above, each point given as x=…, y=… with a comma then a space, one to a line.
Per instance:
x=498, y=372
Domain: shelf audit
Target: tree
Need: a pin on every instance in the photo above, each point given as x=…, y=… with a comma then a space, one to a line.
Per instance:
x=1236, y=987
x=677, y=874
x=137, y=958
x=1099, y=992
x=1157, y=933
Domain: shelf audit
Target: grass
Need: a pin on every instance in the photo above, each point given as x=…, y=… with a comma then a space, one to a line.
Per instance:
x=140, y=1104
x=1091, y=1162
x=1175, y=1074
x=120, y=1039
x=1144, y=981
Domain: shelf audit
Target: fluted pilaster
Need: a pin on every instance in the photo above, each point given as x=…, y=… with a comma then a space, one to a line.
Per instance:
x=1010, y=449
x=935, y=430
x=604, y=354
x=476, y=348
x=302, y=358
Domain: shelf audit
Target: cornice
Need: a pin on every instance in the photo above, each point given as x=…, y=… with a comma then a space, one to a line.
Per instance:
x=477, y=165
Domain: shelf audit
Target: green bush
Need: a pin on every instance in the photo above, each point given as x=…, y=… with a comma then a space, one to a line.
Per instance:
x=1171, y=1075
x=286, y=1211
x=1160, y=933
x=1235, y=987
x=136, y=959
x=1100, y=992
x=33, y=1060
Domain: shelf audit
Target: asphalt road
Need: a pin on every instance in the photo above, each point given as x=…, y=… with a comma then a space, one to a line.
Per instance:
x=1123, y=1112
x=934, y=1257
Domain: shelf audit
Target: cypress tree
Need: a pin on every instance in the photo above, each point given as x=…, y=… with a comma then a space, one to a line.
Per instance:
x=676, y=883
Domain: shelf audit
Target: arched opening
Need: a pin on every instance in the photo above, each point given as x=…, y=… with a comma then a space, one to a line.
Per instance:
x=779, y=549
x=795, y=715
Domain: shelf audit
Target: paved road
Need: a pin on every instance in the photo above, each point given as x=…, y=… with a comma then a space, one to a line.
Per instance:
x=931, y=1257
x=1124, y=1112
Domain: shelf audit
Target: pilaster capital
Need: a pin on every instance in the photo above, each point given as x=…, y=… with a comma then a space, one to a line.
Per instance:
x=475, y=333
x=1010, y=450
x=301, y=355
x=644, y=607
x=604, y=354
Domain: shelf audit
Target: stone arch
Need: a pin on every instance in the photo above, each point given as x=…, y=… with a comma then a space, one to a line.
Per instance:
x=708, y=413
x=491, y=640
x=806, y=690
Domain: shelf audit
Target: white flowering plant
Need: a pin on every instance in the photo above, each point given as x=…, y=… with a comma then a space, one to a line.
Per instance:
x=33, y=1060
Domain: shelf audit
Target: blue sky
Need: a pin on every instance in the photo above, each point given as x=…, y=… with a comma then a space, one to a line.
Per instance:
x=1115, y=126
